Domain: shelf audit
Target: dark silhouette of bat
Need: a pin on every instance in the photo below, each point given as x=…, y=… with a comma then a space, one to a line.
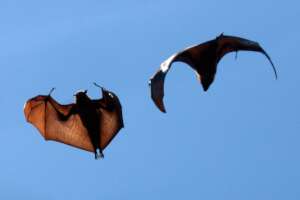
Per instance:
x=87, y=124
x=203, y=58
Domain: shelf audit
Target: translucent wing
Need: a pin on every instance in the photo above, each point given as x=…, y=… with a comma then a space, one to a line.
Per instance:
x=111, y=120
x=40, y=112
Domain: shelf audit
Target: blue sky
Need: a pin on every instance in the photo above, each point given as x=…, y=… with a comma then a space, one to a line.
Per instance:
x=239, y=140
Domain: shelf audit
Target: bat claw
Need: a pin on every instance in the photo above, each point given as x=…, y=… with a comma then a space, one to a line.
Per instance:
x=97, y=85
x=52, y=89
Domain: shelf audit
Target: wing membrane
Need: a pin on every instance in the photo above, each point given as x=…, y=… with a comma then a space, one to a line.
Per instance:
x=111, y=120
x=40, y=112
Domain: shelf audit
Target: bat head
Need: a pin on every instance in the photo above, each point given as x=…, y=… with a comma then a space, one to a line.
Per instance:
x=81, y=96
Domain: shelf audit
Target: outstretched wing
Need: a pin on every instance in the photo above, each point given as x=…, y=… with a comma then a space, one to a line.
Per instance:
x=227, y=44
x=191, y=56
x=40, y=112
x=203, y=58
x=111, y=117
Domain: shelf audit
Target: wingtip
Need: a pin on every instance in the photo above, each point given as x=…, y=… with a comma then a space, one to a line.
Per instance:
x=160, y=105
x=270, y=60
x=163, y=110
x=273, y=66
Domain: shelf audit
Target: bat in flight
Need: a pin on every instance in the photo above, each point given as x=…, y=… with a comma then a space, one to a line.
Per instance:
x=88, y=124
x=203, y=58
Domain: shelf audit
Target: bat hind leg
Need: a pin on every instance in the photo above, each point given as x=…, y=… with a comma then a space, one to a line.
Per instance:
x=101, y=153
x=98, y=155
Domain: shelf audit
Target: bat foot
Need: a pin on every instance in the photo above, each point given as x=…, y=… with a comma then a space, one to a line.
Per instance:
x=99, y=156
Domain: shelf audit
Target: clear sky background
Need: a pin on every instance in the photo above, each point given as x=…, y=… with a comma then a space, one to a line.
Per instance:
x=239, y=140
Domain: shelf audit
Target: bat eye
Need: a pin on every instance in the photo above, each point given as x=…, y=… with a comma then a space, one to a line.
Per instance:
x=110, y=94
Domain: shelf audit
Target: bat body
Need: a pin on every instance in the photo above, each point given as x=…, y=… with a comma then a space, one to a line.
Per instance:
x=86, y=124
x=203, y=58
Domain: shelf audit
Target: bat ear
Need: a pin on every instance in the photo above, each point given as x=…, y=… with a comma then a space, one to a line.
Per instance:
x=85, y=91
